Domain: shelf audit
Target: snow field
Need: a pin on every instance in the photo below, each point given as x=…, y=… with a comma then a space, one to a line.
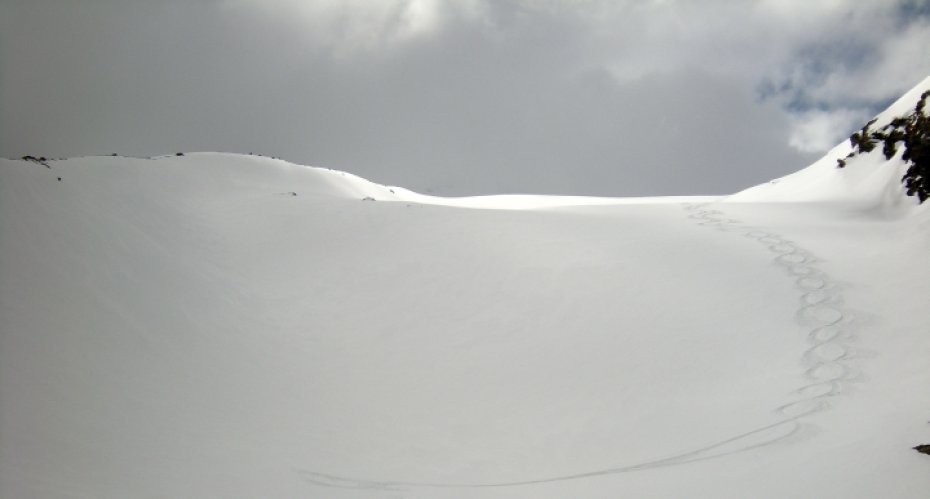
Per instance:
x=231, y=326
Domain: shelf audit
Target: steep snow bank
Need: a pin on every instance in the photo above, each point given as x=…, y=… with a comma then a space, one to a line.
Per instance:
x=868, y=180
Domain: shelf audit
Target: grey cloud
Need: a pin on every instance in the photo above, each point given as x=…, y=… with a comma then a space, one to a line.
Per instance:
x=859, y=61
x=607, y=98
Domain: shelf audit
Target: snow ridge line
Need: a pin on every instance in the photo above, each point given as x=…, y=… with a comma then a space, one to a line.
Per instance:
x=827, y=359
x=827, y=368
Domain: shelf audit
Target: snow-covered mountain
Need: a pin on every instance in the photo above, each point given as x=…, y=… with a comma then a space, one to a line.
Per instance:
x=218, y=325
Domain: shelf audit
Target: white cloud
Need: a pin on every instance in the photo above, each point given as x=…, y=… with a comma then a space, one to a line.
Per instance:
x=347, y=28
x=796, y=43
x=819, y=131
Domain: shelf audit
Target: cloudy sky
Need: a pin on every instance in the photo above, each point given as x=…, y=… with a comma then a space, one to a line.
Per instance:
x=623, y=97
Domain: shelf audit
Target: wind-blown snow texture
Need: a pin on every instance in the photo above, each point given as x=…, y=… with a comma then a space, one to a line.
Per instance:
x=216, y=325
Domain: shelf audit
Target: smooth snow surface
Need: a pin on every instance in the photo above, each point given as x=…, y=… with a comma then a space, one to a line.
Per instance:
x=228, y=326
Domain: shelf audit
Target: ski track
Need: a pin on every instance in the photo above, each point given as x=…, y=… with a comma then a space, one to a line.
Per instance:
x=826, y=360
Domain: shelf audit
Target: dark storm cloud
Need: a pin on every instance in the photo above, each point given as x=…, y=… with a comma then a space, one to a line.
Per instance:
x=609, y=98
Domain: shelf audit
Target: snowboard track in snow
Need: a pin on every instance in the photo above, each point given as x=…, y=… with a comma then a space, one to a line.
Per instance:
x=826, y=362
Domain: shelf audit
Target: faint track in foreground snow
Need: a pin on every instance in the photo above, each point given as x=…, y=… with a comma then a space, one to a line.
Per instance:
x=826, y=362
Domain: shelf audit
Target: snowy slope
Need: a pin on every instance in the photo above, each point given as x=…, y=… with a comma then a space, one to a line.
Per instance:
x=218, y=325
x=869, y=179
